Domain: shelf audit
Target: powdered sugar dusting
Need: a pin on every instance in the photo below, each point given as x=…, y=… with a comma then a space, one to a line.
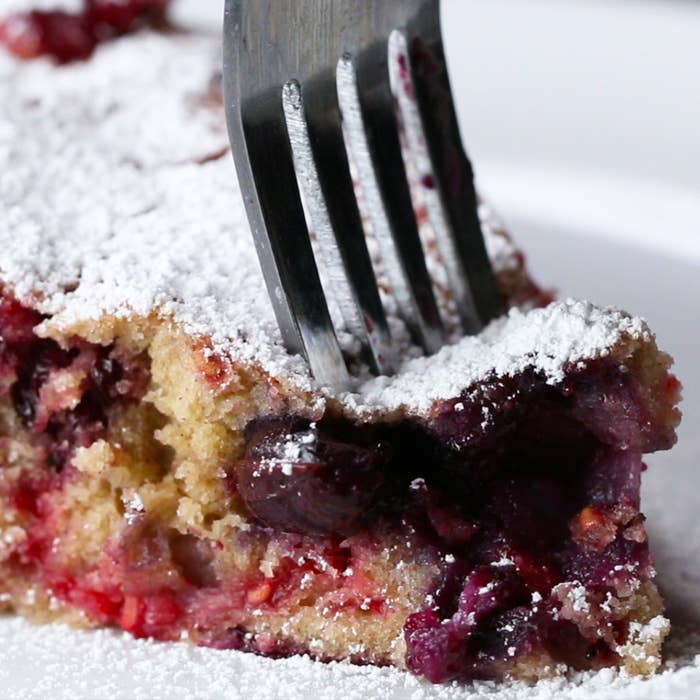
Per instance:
x=119, y=196
x=549, y=340
x=297, y=448
x=10, y=6
x=58, y=663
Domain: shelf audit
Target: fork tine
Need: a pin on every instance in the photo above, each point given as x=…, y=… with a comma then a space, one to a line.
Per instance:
x=332, y=174
x=377, y=107
x=471, y=275
x=260, y=60
x=268, y=181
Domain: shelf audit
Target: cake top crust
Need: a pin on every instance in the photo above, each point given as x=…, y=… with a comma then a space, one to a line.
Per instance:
x=119, y=197
x=549, y=340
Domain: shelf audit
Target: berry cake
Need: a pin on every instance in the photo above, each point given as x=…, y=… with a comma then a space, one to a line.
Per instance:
x=168, y=469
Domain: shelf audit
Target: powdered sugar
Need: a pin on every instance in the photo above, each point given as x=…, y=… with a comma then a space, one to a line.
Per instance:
x=297, y=448
x=55, y=662
x=548, y=339
x=10, y=6
x=119, y=196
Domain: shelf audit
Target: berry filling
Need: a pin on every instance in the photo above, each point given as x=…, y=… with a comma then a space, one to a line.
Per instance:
x=62, y=394
x=308, y=480
x=519, y=502
x=66, y=36
x=535, y=504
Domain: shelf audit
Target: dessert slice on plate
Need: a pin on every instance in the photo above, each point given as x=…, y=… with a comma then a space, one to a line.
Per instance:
x=167, y=468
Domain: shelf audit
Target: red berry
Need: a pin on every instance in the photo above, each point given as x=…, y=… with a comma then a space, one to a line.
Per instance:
x=72, y=37
x=17, y=322
x=59, y=34
x=121, y=17
x=151, y=616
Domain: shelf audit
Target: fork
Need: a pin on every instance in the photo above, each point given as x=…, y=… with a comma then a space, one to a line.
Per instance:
x=324, y=101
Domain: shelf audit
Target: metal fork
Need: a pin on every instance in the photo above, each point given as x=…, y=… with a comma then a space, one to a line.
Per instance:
x=300, y=78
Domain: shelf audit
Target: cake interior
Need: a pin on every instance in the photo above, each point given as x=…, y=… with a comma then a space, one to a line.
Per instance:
x=151, y=486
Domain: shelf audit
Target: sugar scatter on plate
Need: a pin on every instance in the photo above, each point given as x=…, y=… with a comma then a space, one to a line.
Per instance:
x=57, y=662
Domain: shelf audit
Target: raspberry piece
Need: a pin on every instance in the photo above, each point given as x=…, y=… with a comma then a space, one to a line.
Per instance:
x=72, y=37
x=119, y=17
x=151, y=615
x=59, y=34
x=17, y=322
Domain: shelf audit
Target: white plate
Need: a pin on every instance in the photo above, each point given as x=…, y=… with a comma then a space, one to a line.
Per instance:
x=581, y=258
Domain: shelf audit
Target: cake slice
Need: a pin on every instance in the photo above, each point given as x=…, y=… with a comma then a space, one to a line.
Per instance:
x=168, y=469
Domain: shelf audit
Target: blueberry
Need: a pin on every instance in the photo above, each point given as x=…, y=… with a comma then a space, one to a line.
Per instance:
x=302, y=478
